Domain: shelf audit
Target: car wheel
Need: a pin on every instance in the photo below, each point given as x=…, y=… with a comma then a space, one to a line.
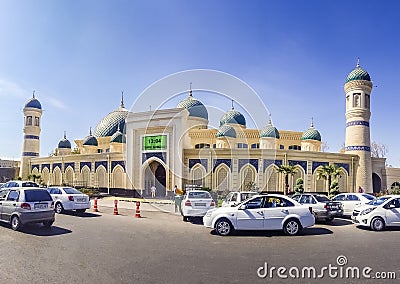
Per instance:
x=15, y=223
x=81, y=210
x=292, y=227
x=59, y=208
x=329, y=219
x=223, y=227
x=185, y=218
x=48, y=223
x=377, y=224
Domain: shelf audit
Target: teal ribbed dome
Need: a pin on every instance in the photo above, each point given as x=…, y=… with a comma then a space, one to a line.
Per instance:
x=118, y=137
x=269, y=131
x=90, y=140
x=358, y=74
x=195, y=107
x=226, y=131
x=233, y=117
x=110, y=123
x=311, y=134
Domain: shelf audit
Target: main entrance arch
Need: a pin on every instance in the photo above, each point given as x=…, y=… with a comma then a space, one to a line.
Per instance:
x=376, y=183
x=155, y=174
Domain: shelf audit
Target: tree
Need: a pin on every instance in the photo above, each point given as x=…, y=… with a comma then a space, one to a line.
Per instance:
x=299, y=187
x=334, y=189
x=378, y=150
x=251, y=186
x=286, y=170
x=329, y=173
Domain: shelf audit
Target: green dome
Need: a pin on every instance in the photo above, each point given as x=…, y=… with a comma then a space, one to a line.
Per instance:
x=269, y=131
x=226, y=131
x=110, y=123
x=233, y=117
x=118, y=137
x=195, y=107
x=311, y=134
x=358, y=74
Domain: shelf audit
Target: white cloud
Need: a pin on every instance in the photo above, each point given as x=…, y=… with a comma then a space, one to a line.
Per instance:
x=54, y=102
x=8, y=88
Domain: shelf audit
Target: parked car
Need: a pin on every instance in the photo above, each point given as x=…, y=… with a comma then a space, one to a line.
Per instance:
x=196, y=203
x=352, y=200
x=69, y=198
x=379, y=213
x=19, y=183
x=236, y=197
x=323, y=208
x=26, y=205
x=261, y=212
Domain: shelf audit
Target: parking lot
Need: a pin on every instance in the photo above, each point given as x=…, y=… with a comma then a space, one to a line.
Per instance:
x=160, y=248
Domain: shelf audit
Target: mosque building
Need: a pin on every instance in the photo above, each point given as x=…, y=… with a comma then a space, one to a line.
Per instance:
x=168, y=147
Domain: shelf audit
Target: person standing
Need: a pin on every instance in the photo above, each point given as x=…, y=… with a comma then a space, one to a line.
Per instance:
x=153, y=191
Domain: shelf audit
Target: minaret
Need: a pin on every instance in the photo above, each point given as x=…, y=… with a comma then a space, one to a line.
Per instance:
x=31, y=145
x=358, y=89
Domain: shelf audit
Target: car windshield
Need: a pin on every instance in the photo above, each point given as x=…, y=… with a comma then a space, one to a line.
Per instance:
x=35, y=195
x=70, y=190
x=369, y=197
x=244, y=196
x=199, y=194
x=29, y=184
x=378, y=201
x=322, y=198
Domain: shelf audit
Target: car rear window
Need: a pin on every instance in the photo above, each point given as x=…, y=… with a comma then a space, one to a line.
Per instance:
x=70, y=190
x=369, y=197
x=194, y=194
x=35, y=195
x=29, y=184
x=322, y=198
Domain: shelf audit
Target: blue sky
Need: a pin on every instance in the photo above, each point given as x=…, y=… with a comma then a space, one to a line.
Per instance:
x=79, y=55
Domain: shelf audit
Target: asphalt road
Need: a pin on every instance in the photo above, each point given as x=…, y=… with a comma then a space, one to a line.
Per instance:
x=160, y=248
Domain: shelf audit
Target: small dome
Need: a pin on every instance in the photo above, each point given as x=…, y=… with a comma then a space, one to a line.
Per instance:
x=110, y=123
x=195, y=107
x=33, y=103
x=64, y=143
x=118, y=137
x=90, y=140
x=358, y=74
x=269, y=131
x=311, y=134
x=226, y=131
x=233, y=117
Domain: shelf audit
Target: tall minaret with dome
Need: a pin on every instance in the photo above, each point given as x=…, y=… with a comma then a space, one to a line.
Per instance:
x=31, y=145
x=358, y=89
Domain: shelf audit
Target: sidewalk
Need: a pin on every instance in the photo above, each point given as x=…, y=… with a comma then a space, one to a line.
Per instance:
x=162, y=205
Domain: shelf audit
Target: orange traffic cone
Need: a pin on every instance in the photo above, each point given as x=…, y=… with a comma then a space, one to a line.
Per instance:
x=137, y=215
x=115, y=207
x=95, y=205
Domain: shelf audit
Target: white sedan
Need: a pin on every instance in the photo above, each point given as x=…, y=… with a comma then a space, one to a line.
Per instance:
x=352, y=200
x=68, y=198
x=261, y=212
x=379, y=213
x=196, y=203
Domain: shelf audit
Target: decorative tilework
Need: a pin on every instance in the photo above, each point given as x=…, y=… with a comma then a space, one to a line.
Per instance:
x=161, y=155
x=116, y=163
x=34, y=167
x=101, y=163
x=46, y=166
x=344, y=166
x=315, y=165
x=56, y=165
x=218, y=162
x=358, y=148
x=72, y=165
x=30, y=154
x=82, y=164
x=268, y=162
x=253, y=162
x=31, y=137
x=203, y=162
x=302, y=164
x=357, y=122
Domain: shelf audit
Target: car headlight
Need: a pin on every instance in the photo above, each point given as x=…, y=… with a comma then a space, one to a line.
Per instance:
x=367, y=211
x=209, y=212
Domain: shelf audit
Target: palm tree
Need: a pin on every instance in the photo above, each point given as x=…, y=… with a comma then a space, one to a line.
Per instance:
x=286, y=170
x=329, y=172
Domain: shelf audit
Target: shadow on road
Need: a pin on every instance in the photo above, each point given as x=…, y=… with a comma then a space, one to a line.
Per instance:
x=336, y=222
x=394, y=229
x=81, y=214
x=39, y=230
x=314, y=231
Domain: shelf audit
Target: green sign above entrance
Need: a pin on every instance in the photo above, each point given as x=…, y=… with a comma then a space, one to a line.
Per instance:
x=157, y=142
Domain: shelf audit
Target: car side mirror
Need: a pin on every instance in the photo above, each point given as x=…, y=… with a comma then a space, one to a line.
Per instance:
x=242, y=207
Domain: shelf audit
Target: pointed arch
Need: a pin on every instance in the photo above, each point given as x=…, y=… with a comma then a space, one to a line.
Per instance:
x=343, y=181
x=247, y=174
x=35, y=171
x=45, y=175
x=271, y=179
x=319, y=185
x=57, y=177
x=197, y=175
x=101, y=177
x=300, y=173
x=223, y=177
x=118, y=180
x=69, y=176
x=85, y=176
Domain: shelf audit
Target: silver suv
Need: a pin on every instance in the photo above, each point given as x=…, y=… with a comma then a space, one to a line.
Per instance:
x=19, y=206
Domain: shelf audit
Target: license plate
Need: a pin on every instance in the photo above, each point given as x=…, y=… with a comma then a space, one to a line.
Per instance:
x=334, y=207
x=200, y=204
x=81, y=199
x=41, y=206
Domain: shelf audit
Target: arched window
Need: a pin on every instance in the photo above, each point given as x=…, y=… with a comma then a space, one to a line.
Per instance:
x=118, y=177
x=222, y=179
x=69, y=176
x=101, y=177
x=247, y=176
x=201, y=145
x=57, y=176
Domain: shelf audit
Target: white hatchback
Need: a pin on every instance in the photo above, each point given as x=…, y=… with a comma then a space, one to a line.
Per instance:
x=196, y=203
x=261, y=212
x=352, y=200
x=379, y=213
x=68, y=198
